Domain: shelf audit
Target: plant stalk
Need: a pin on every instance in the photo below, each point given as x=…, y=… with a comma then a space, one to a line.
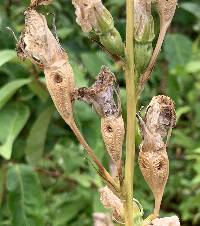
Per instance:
x=131, y=113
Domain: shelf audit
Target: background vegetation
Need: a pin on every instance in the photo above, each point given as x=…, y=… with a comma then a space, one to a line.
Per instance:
x=49, y=181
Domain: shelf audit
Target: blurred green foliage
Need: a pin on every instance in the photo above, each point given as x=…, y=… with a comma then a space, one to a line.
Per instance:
x=49, y=181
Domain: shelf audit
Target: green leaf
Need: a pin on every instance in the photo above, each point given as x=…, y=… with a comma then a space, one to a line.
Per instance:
x=6, y=55
x=26, y=201
x=13, y=117
x=94, y=61
x=182, y=110
x=37, y=136
x=192, y=7
x=7, y=91
x=178, y=50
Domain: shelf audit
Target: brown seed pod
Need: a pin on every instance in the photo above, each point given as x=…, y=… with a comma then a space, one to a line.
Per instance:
x=153, y=160
x=166, y=10
x=112, y=129
x=154, y=166
x=39, y=45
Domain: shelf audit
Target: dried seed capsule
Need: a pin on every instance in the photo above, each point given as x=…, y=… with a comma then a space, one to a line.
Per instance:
x=154, y=166
x=39, y=45
x=153, y=159
x=112, y=129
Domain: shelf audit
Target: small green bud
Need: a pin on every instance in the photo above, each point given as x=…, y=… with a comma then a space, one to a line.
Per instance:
x=112, y=41
x=104, y=21
x=143, y=54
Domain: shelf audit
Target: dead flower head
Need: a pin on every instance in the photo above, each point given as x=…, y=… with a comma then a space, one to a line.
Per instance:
x=105, y=98
x=38, y=43
x=160, y=115
x=102, y=94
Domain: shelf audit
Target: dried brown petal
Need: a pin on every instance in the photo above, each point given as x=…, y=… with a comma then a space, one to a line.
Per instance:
x=85, y=13
x=111, y=201
x=112, y=129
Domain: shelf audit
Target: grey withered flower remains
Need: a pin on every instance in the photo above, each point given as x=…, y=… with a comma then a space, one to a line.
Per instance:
x=103, y=95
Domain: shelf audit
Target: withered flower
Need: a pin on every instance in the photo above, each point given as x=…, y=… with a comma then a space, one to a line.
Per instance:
x=153, y=160
x=102, y=97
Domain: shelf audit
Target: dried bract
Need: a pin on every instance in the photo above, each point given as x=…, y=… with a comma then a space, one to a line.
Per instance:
x=153, y=160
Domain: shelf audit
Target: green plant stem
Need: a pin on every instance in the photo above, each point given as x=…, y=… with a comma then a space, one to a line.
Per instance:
x=131, y=113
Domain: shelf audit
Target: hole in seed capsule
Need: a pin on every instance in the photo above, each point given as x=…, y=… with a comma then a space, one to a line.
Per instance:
x=58, y=78
x=159, y=165
x=109, y=129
